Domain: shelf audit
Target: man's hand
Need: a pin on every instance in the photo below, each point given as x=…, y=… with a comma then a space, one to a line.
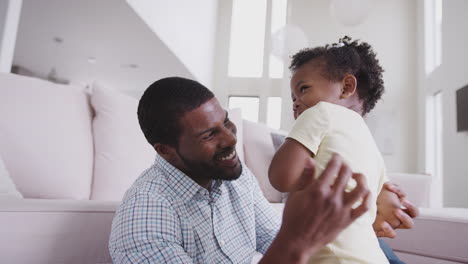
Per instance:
x=386, y=220
x=404, y=215
x=318, y=212
x=410, y=210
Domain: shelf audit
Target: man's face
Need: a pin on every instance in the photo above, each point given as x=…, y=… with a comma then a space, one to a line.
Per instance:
x=206, y=147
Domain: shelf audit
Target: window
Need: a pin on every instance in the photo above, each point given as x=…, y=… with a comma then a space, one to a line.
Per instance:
x=274, y=112
x=246, y=49
x=278, y=21
x=434, y=143
x=433, y=34
x=247, y=38
x=253, y=73
x=248, y=105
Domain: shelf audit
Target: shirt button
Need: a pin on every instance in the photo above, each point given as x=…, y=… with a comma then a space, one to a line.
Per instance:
x=221, y=242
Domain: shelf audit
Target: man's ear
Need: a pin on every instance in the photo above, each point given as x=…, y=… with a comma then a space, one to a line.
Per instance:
x=349, y=86
x=168, y=152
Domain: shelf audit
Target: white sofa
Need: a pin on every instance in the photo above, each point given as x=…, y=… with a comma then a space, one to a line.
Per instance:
x=72, y=154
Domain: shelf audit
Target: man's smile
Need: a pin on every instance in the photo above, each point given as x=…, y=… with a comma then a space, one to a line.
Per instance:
x=227, y=159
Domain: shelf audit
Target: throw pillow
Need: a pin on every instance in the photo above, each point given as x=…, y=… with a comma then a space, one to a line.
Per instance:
x=7, y=187
x=121, y=152
x=45, y=137
x=258, y=152
x=277, y=139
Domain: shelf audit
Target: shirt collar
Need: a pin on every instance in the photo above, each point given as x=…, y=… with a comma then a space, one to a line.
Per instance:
x=216, y=189
x=183, y=186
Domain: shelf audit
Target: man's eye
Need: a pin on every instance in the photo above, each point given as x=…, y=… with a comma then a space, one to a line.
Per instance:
x=208, y=136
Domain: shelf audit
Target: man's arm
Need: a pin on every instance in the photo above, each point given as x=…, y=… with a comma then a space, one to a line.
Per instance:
x=146, y=230
x=317, y=213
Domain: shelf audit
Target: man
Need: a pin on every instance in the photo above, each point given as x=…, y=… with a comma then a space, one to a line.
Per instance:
x=199, y=204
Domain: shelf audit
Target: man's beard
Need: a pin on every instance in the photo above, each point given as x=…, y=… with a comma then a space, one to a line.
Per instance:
x=210, y=171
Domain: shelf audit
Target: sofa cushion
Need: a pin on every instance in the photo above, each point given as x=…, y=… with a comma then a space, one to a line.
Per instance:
x=7, y=187
x=258, y=152
x=121, y=152
x=45, y=137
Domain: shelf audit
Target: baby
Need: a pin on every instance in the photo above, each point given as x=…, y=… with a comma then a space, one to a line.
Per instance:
x=332, y=88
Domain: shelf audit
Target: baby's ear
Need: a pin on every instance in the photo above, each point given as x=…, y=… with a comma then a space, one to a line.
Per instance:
x=349, y=86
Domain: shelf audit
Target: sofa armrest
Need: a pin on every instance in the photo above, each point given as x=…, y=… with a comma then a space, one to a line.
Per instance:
x=416, y=186
x=438, y=236
x=55, y=231
x=53, y=205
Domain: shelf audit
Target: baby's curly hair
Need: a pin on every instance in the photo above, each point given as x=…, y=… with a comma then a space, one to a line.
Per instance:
x=348, y=57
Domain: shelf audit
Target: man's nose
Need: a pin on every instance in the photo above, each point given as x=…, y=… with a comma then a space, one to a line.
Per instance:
x=228, y=138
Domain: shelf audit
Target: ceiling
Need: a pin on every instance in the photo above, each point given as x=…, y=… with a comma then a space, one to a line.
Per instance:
x=88, y=40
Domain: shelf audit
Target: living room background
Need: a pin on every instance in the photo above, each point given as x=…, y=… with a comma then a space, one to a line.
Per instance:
x=128, y=44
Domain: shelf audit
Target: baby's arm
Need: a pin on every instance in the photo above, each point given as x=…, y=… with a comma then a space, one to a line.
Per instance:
x=386, y=221
x=288, y=164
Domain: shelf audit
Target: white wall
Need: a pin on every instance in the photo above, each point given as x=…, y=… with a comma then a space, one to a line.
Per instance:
x=188, y=28
x=389, y=28
x=450, y=76
x=9, y=20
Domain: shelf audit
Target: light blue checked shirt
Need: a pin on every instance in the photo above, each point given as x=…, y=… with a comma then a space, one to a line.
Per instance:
x=165, y=217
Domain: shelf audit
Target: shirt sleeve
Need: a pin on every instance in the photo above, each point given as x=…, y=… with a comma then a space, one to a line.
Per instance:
x=267, y=219
x=310, y=127
x=146, y=230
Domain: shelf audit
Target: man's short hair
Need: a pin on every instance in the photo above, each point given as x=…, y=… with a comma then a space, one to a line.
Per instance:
x=163, y=104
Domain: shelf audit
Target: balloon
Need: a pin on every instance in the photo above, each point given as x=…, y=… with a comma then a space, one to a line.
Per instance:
x=287, y=41
x=350, y=12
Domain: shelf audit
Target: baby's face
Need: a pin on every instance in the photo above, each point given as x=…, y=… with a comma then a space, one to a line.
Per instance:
x=309, y=86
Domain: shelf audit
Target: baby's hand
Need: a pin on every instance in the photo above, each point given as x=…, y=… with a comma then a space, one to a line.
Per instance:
x=386, y=221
